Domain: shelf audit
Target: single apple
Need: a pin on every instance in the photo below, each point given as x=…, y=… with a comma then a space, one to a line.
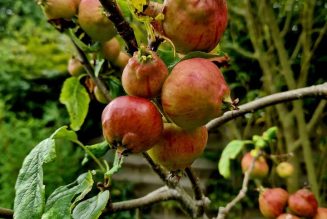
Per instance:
x=111, y=49
x=122, y=60
x=193, y=93
x=56, y=9
x=132, y=123
x=193, y=25
x=144, y=74
x=93, y=20
x=75, y=67
x=178, y=148
x=260, y=168
x=284, y=169
x=99, y=95
x=303, y=203
x=272, y=202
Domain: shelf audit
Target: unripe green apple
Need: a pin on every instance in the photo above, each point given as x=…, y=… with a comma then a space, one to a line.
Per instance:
x=260, y=169
x=272, y=202
x=193, y=93
x=75, y=67
x=111, y=49
x=144, y=74
x=178, y=148
x=99, y=95
x=194, y=25
x=92, y=19
x=132, y=123
x=55, y=9
x=285, y=169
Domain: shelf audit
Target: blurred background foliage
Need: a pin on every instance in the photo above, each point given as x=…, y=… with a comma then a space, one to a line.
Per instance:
x=33, y=62
x=273, y=45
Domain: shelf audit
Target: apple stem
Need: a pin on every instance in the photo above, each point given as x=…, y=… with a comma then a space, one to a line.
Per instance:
x=144, y=55
x=118, y=162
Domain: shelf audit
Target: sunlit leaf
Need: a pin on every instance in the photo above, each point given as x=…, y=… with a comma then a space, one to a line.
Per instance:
x=77, y=100
x=229, y=152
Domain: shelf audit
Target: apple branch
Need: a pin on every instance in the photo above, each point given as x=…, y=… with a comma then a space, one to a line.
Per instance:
x=156, y=168
x=223, y=211
x=199, y=196
x=90, y=72
x=123, y=28
x=162, y=194
x=318, y=91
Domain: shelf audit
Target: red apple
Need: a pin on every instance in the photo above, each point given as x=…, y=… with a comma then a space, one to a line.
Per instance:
x=56, y=9
x=178, y=148
x=303, y=203
x=272, y=202
x=193, y=93
x=144, y=74
x=92, y=19
x=321, y=213
x=194, y=25
x=260, y=169
x=287, y=216
x=133, y=123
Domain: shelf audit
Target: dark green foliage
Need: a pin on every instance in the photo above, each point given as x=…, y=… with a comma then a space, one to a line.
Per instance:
x=33, y=60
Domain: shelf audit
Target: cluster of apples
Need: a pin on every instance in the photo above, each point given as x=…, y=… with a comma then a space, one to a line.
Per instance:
x=273, y=203
x=261, y=168
x=190, y=95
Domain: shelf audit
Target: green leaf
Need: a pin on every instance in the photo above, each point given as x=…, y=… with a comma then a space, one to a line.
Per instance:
x=29, y=198
x=91, y=208
x=98, y=150
x=77, y=100
x=59, y=202
x=166, y=53
x=115, y=87
x=64, y=133
x=230, y=152
x=86, y=48
x=270, y=134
